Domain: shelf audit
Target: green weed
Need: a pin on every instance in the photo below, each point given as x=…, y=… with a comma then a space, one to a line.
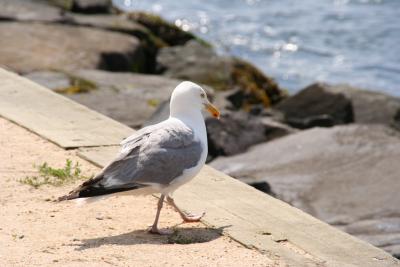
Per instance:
x=53, y=176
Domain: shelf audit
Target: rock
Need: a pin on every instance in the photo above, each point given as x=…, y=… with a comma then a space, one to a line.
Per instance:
x=62, y=47
x=234, y=132
x=374, y=226
x=91, y=6
x=168, y=32
x=369, y=106
x=56, y=81
x=383, y=232
x=396, y=120
x=316, y=106
x=389, y=243
x=394, y=250
x=275, y=129
x=149, y=42
x=84, y=6
x=116, y=23
x=64, y=83
x=322, y=104
x=126, y=97
x=64, y=4
x=23, y=10
x=109, y=22
x=160, y=114
x=201, y=64
x=343, y=175
x=222, y=102
x=263, y=187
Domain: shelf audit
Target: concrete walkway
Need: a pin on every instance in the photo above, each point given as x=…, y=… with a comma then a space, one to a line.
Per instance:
x=285, y=235
x=37, y=232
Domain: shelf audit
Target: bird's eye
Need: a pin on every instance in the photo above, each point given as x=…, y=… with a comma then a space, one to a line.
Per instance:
x=203, y=95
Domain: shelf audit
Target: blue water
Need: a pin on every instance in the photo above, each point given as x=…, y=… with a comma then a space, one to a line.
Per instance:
x=299, y=41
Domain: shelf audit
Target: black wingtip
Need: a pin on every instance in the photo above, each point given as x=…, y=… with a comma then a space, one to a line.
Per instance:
x=95, y=192
x=76, y=193
x=99, y=191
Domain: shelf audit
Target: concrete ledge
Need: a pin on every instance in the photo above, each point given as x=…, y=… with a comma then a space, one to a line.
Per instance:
x=56, y=118
x=247, y=215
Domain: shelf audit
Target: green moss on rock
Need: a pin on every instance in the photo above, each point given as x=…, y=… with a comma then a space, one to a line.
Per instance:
x=256, y=87
x=77, y=85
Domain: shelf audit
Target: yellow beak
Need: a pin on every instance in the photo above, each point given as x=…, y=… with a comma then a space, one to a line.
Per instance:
x=213, y=110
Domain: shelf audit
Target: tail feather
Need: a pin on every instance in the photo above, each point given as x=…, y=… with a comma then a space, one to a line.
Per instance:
x=136, y=192
x=76, y=193
x=96, y=192
x=92, y=188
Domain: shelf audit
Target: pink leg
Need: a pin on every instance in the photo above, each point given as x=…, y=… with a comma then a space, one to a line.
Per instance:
x=154, y=228
x=186, y=217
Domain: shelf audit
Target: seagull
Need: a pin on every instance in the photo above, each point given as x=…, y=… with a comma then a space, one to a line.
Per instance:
x=158, y=158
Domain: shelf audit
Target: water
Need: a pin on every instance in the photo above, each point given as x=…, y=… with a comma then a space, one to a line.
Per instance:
x=299, y=42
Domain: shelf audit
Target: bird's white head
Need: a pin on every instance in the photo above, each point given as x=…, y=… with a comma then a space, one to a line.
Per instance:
x=189, y=98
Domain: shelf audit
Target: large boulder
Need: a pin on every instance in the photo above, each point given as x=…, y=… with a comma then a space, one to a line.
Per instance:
x=83, y=6
x=316, y=105
x=120, y=23
x=29, y=11
x=235, y=132
x=321, y=104
x=369, y=106
x=35, y=46
x=126, y=97
x=345, y=175
x=381, y=232
x=396, y=120
x=160, y=114
x=62, y=82
x=197, y=62
x=91, y=6
x=105, y=21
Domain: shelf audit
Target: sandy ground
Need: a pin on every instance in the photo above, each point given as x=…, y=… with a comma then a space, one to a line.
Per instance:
x=37, y=232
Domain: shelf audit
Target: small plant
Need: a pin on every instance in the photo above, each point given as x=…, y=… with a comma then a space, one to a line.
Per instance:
x=53, y=176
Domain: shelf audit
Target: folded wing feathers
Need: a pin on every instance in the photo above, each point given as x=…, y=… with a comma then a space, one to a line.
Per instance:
x=120, y=175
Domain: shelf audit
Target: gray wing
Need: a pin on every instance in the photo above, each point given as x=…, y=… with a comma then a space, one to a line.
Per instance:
x=138, y=136
x=157, y=155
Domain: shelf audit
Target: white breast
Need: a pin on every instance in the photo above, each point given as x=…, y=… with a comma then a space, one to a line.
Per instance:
x=199, y=128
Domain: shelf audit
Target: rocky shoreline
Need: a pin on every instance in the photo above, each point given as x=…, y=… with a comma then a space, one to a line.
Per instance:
x=329, y=150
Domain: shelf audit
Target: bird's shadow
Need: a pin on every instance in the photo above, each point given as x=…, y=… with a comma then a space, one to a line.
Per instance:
x=190, y=235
